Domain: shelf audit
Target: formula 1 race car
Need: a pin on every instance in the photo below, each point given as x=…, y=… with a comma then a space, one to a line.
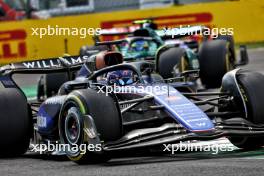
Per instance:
x=173, y=53
x=122, y=107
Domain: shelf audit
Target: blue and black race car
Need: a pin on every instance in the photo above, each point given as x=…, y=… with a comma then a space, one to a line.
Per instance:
x=114, y=106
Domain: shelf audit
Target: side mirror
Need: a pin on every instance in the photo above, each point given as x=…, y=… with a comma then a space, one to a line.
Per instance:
x=243, y=56
x=2, y=12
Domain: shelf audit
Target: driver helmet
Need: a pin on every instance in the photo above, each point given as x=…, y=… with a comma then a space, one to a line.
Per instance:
x=151, y=25
x=139, y=45
x=120, y=77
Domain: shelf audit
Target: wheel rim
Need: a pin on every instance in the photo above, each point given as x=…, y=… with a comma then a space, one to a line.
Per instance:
x=184, y=65
x=71, y=129
x=72, y=126
x=228, y=58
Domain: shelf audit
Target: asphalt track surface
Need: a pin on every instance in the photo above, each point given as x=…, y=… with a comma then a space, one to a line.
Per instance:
x=235, y=162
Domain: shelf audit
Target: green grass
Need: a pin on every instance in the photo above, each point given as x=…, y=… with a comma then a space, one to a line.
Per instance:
x=30, y=91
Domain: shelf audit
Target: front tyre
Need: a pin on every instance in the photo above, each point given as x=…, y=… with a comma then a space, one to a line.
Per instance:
x=214, y=60
x=251, y=86
x=73, y=127
x=231, y=45
x=167, y=60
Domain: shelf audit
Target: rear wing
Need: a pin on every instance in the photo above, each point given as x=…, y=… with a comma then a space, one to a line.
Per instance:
x=45, y=65
x=165, y=34
x=125, y=30
x=120, y=31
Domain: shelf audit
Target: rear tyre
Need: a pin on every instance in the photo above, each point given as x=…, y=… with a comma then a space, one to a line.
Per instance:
x=214, y=60
x=167, y=60
x=103, y=111
x=251, y=86
x=15, y=123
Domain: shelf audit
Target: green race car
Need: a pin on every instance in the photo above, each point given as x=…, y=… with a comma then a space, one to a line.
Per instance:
x=174, y=52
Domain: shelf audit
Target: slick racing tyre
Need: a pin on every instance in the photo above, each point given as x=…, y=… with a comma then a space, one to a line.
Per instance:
x=251, y=86
x=15, y=124
x=73, y=128
x=167, y=60
x=231, y=44
x=215, y=61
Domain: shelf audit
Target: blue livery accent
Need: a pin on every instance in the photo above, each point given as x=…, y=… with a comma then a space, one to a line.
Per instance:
x=44, y=121
x=7, y=82
x=48, y=114
x=180, y=108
